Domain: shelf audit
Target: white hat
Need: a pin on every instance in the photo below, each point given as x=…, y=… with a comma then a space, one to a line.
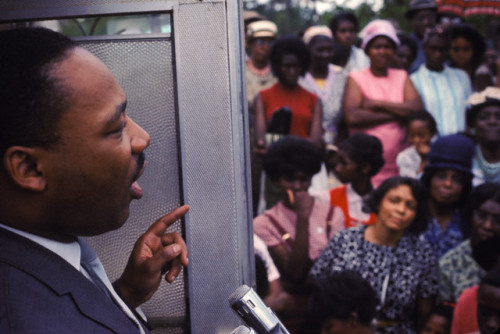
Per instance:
x=315, y=31
x=262, y=28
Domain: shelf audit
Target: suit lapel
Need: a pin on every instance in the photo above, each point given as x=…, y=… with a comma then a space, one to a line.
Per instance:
x=62, y=278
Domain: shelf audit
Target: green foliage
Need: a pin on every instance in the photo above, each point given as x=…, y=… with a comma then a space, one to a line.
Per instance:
x=394, y=10
x=292, y=18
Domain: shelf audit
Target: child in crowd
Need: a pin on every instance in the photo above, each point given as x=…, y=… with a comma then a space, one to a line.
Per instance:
x=487, y=255
x=345, y=303
x=488, y=302
x=359, y=158
x=298, y=227
x=438, y=321
x=422, y=129
x=295, y=230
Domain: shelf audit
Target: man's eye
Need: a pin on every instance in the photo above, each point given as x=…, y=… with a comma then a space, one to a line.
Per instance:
x=120, y=128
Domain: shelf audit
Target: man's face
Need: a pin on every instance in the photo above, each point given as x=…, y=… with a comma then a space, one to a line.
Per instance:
x=421, y=20
x=91, y=172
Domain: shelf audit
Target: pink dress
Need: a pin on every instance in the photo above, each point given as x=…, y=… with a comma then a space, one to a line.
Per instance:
x=319, y=233
x=392, y=135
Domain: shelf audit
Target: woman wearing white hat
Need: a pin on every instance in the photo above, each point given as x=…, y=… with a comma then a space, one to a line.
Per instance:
x=378, y=99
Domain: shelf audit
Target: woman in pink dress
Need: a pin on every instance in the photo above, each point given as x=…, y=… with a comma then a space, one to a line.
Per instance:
x=379, y=99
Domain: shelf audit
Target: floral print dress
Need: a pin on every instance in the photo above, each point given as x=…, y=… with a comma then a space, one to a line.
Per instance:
x=400, y=275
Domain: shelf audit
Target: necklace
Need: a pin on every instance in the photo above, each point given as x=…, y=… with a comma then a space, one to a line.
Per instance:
x=491, y=170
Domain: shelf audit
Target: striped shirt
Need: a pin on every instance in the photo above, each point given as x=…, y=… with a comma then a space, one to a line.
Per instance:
x=444, y=95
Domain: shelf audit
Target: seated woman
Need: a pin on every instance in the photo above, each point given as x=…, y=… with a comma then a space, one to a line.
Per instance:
x=488, y=302
x=483, y=116
x=399, y=265
x=377, y=100
x=458, y=269
x=487, y=254
x=448, y=178
x=345, y=303
x=358, y=159
x=298, y=227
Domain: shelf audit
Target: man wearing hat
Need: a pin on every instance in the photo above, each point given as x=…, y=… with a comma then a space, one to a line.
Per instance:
x=422, y=15
x=259, y=38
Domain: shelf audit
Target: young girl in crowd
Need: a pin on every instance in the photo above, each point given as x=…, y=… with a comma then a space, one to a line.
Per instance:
x=439, y=320
x=422, y=129
x=298, y=227
x=448, y=178
x=359, y=158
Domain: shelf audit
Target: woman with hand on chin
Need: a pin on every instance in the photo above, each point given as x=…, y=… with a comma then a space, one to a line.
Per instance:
x=399, y=265
x=298, y=227
x=295, y=230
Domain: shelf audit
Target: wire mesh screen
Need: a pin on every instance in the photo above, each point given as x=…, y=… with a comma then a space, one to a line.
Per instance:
x=205, y=113
x=16, y=5
x=144, y=70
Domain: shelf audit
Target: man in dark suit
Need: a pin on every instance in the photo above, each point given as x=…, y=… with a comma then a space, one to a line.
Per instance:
x=70, y=160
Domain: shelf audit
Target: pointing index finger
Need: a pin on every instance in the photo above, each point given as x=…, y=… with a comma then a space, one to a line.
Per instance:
x=161, y=225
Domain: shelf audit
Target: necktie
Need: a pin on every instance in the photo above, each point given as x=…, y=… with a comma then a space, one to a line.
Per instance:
x=90, y=262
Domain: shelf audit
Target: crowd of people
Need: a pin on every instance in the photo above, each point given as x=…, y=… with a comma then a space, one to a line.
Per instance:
x=376, y=174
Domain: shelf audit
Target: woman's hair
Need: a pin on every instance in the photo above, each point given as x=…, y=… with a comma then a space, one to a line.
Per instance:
x=343, y=16
x=364, y=149
x=424, y=116
x=479, y=195
x=289, y=45
x=471, y=34
x=444, y=310
x=418, y=191
x=339, y=296
x=290, y=155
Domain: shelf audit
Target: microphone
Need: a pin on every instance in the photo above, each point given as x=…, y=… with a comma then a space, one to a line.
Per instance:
x=243, y=330
x=248, y=305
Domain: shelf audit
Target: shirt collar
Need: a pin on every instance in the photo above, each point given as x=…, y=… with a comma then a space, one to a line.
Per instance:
x=70, y=252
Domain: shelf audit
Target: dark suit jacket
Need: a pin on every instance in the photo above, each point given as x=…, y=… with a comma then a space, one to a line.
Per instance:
x=41, y=293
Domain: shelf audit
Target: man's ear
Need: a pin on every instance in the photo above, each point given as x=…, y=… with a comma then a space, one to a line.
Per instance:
x=23, y=167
